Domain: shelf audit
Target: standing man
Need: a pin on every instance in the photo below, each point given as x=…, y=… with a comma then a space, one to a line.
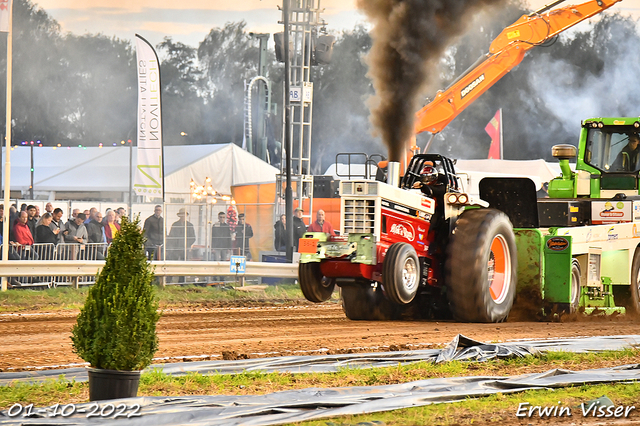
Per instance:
x=181, y=237
x=154, y=230
x=91, y=214
x=95, y=229
x=299, y=228
x=31, y=219
x=76, y=231
x=48, y=208
x=56, y=222
x=120, y=211
x=23, y=236
x=221, y=238
x=321, y=225
x=280, y=233
x=95, y=236
x=21, y=230
x=244, y=231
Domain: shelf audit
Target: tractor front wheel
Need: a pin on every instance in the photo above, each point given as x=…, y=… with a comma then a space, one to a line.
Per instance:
x=481, y=267
x=401, y=273
x=315, y=286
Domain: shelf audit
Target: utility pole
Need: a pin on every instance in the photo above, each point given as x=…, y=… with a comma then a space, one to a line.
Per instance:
x=287, y=133
x=302, y=22
x=32, y=171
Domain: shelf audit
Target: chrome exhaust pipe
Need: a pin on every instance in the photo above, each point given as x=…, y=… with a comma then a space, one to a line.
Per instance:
x=393, y=173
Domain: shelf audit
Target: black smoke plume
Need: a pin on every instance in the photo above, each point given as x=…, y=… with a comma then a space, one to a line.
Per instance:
x=409, y=37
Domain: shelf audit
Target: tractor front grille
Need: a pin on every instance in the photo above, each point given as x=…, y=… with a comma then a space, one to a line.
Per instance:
x=359, y=216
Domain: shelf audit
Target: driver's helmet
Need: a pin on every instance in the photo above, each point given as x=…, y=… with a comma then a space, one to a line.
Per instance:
x=428, y=175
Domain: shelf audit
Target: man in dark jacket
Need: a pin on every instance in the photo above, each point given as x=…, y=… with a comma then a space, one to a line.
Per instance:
x=154, y=231
x=94, y=229
x=181, y=237
x=280, y=233
x=221, y=238
x=299, y=228
x=95, y=236
x=31, y=219
x=244, y=232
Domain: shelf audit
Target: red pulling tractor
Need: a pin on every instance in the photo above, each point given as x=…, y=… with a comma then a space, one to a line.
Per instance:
x=414, y=244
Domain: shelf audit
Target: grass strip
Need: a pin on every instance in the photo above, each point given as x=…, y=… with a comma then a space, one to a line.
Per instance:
x=501, y=408
x=67, y=298
x=156, y=383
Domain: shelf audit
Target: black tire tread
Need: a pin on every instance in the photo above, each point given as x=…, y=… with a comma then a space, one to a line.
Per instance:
x=362, y=303
x=466, y=300
x=310, y=279
x=634, y=305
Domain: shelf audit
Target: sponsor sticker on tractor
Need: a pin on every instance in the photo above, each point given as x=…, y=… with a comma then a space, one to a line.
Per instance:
x=403, y=230
x=604, y=212
x=557, y=243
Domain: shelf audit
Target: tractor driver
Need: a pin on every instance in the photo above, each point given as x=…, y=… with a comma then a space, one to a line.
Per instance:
x=428, y=182
x=627, y=159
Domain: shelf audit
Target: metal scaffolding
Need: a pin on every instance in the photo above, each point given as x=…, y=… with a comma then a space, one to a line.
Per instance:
x=304, y=22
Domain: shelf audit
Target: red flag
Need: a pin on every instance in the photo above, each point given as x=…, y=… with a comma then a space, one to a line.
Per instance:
x=5, y=11
x=494, y=130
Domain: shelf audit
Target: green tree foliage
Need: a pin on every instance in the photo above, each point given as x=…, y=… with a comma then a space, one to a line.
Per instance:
x=341, y=90
x=103, y=99
x=182, y=90
x=116, y=328
x=229, y=57
x=73, y=90
x=67, y=89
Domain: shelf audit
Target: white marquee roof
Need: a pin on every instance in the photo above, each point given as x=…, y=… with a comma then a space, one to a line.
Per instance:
x=107, y=168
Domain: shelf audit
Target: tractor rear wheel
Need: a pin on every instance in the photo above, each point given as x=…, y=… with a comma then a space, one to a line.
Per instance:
x=481, y=267
x=634, y=306
x=363, y=302
x=401, y=273
x=315, y=287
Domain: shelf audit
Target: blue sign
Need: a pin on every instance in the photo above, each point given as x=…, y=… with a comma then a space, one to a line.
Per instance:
x=238, y=264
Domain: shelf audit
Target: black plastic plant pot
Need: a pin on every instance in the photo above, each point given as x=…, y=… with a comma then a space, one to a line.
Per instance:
x=112, y=384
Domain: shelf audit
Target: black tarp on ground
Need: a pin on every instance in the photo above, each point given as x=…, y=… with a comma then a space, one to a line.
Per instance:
x=461, y=348
x=315, y=403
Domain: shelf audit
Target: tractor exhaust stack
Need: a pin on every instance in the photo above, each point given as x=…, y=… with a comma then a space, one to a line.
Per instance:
x=393, y=173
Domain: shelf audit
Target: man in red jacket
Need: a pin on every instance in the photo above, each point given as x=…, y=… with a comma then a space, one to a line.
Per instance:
x=23, y=237
x=321, y=225
x=21, y=231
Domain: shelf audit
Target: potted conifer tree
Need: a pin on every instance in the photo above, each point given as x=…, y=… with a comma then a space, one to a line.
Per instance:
x=116, y=329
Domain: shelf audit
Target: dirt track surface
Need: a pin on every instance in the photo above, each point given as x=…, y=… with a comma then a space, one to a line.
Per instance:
x=41, y=339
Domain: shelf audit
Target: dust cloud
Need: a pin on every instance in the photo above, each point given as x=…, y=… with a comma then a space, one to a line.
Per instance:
x=409, y=37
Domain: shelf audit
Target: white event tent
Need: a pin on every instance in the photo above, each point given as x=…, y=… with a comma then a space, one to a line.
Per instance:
x=90, y=171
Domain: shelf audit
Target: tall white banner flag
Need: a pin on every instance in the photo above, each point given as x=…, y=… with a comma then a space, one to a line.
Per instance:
x=148, y=178
x=5, y=13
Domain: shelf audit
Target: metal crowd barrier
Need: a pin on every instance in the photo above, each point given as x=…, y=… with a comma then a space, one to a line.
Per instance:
x=52, y=252
x=83, y=268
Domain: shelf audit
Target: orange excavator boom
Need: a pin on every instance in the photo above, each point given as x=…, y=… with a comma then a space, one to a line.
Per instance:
x=506, y=51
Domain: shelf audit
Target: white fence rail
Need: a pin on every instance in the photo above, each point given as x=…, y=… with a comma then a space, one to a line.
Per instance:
x=77, y=271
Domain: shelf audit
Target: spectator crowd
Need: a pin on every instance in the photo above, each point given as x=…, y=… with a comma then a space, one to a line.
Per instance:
x=28, y=227
x=299, y=228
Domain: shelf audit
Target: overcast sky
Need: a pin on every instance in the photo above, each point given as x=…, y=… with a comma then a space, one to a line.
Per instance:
x=189, y=21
